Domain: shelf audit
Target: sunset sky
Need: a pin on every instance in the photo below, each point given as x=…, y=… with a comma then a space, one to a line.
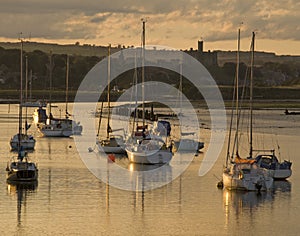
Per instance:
x=173, y=23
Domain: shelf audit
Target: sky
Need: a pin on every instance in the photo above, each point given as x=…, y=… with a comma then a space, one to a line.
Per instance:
x=177, y=24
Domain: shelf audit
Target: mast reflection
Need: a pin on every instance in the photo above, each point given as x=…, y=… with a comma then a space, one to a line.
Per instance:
x=239, y=202
x=145, y=179
x=21, y=190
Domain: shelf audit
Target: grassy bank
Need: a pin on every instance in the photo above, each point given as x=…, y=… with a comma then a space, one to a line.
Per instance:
x=272, y=98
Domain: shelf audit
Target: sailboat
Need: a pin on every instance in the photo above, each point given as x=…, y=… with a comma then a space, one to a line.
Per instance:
x=143, y=146
x=188, y=144
x=60, y=127
x=242, y=173
x=269, y=161
x=26, y=141
x=21, y=169
x=112, y=143
x=21, y=192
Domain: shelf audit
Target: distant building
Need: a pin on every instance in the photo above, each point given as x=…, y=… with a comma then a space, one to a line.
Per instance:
x=169, y=57
x=206, y=58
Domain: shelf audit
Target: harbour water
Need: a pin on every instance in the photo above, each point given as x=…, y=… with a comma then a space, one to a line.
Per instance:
x=69, y=200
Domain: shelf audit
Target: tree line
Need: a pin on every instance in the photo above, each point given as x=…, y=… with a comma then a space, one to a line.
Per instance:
x=270, y=74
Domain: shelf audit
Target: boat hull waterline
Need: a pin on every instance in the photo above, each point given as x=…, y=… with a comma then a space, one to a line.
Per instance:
x=279, y=170
x=157, y=157
x=247, y=179
x=26, y=144
x=20, y=171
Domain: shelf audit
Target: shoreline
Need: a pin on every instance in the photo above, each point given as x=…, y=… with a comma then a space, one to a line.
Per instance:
x=272, y=104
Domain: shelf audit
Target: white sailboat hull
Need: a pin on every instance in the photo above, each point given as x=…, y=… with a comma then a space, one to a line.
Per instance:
x=279, y=170
x=157, y=157
x=22, y=172
x=56, y=133
x=22, y=176
x=26, y=143
x=51, y=131
x=111, y=149
x=114, y=144
x=188, y=145
x=247, y=182
x=57, y=128
x=151, y=150
x=279, y=174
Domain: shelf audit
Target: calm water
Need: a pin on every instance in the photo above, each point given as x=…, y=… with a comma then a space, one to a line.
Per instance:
x=69, y=200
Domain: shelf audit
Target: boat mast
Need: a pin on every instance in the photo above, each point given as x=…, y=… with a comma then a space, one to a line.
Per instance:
x=67, y=85
x=143, y=69
x=26, y=94
x=231, y=124
x=50, y=78
x=21, y=94
x=100, y=119
x=108, y=92
x=237, y=92
x=180, y=88
x=251, y=95
x=30, y=86
x=26, y=78
x=135, y=82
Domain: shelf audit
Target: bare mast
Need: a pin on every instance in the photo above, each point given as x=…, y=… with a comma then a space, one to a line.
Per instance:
x=26, y=93
x=251, y=95
x=21, y=95
x=67, y=85
x=50, y=80
x=143, y=70
x=237, y=92
x=108, y=130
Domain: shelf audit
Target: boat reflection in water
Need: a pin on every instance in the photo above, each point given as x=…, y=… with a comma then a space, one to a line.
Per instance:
x=120, y=173
x=282, y=186
x=240, y=200
x=20, y=191
x=244, y=204
x=147, y=177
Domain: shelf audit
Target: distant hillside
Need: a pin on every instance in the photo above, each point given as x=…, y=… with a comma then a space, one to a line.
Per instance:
x=70, y=49
x=260, y=58
x=101, y=51
x=281, y=73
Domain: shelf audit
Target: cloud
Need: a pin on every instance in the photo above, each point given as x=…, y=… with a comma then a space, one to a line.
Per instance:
x=169, y=22
x=101, y=17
